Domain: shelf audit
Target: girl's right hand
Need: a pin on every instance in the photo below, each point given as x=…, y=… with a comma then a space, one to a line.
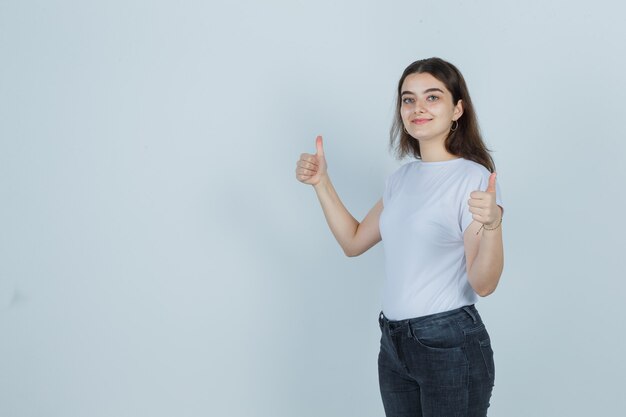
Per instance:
x=310, y=169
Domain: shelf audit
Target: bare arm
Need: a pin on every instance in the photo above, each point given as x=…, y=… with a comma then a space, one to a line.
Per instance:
x=353, y=237
x=484, y=254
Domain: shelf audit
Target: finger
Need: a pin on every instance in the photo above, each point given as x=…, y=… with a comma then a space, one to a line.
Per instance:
x=474, y=202
x=319, y=145
x=491, y=188
x=479, y=195
x=307, y=157
x=306, y=171
x=301, y=174
x=307, y=164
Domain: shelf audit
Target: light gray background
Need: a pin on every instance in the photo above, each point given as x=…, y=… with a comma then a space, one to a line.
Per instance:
x=159, y=258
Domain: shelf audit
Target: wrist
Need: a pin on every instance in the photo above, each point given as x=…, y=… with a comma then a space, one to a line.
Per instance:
x=492, y=226
x=322, y=183
x=499, y=220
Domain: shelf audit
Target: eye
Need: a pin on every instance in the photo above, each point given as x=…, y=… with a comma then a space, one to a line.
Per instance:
x=407, y=100
x=432, y=98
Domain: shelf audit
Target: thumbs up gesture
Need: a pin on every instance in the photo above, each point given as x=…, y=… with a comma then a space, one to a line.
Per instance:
x=482, y=204
x=311, y=168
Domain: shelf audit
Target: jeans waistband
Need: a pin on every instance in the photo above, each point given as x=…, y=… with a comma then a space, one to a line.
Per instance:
x=393, y=324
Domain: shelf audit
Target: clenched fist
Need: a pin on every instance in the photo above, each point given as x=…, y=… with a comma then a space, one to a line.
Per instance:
x=482, y=204
x=310, y=169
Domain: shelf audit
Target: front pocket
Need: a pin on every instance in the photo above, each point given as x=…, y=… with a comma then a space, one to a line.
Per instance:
x=444, y=336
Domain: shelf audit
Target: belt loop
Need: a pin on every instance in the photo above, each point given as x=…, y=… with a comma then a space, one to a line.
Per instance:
x=469, y=311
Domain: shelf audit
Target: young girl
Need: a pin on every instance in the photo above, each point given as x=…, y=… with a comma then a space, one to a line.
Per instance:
x=440, y=222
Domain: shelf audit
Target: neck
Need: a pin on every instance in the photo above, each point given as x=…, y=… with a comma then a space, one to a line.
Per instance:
x=435, y=151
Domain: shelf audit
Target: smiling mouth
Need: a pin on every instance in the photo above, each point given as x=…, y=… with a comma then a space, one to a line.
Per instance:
x=420, y=121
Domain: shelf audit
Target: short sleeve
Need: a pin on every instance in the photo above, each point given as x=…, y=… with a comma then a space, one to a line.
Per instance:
x=390, y=184
x=387, y=191
x=478, y=182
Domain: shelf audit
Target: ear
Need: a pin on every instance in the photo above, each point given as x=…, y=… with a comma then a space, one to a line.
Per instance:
x=458, y=109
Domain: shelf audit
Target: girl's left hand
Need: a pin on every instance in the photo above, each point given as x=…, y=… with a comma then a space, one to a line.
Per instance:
x=482, y=204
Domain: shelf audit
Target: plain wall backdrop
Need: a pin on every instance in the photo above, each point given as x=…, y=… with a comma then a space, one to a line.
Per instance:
x=158, y=256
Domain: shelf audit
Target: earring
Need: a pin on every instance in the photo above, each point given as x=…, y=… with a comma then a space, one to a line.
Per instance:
x=455, y=127
x=404, y=128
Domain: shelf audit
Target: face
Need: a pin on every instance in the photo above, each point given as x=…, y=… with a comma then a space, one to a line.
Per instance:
x=427, y=108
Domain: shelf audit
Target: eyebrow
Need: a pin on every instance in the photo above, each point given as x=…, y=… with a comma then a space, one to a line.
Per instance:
x=424, y=92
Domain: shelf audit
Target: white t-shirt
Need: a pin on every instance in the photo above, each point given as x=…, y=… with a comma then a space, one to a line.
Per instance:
x=422, y=223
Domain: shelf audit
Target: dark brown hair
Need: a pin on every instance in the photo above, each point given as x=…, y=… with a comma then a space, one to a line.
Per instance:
x=466, y=141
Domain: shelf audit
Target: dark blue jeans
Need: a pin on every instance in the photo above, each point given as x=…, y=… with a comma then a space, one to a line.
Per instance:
x=440, y=365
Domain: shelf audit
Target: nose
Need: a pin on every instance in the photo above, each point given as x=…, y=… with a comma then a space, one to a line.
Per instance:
x=419, y=107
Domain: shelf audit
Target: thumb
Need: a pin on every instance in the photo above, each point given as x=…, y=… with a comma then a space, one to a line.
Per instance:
x=492, y=183
x=319, y=145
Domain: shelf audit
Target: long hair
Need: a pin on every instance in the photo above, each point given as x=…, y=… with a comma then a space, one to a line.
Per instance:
x=466, y=141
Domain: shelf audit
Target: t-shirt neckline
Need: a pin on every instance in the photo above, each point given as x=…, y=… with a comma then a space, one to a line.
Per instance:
x=432, y=163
